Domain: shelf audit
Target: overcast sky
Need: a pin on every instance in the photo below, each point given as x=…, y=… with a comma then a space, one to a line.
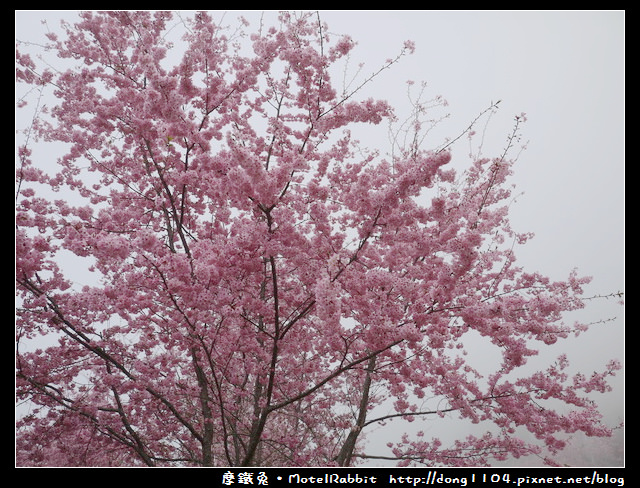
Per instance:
x=565, y=70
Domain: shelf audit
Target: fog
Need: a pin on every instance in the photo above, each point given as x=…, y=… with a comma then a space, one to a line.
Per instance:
x=565, y=70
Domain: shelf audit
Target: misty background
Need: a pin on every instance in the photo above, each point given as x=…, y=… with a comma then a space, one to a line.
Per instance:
x=565, y=70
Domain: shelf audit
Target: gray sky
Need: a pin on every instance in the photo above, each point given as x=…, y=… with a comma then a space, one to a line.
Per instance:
x=565, y=70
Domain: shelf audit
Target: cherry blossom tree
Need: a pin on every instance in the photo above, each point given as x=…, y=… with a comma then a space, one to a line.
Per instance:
x=266, y=291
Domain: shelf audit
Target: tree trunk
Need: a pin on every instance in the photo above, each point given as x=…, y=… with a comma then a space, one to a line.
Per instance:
x=346, y=452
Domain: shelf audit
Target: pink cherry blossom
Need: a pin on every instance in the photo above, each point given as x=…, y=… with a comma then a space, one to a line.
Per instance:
x=264, y=292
